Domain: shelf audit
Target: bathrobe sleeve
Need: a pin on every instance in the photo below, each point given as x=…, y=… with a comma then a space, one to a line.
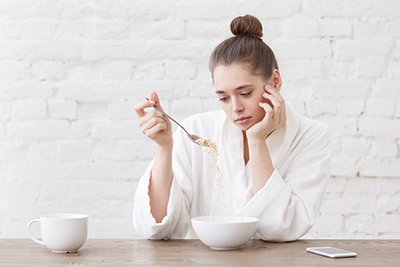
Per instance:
x=177, y=221
x=288, y=204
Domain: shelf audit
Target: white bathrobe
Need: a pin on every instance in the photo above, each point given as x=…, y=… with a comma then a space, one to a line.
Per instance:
x=286, y=206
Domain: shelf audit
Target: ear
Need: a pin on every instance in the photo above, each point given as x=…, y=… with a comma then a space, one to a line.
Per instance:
x=277, y=80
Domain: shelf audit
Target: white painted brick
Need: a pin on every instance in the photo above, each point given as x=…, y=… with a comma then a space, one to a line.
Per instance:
x=338, y=88
x=301, y=27
x=393, y=68
x=380, y=168
x=137, y=150
x=354, y=147
x=389, y=204
x=396, y=50
x=334, y=8
x=367, y=186
x=343, y=70
x=50, y=70
x=387, y=88
x=369, y=28
x=202, y=89
x=306, y=70
x=50, y=130
x=43, y=151
x=91, y=110
x=360, y=225
x=274, y=9
x=180, y=69
x=23, y=89
x=62, y=109
x=5, y=111
x=351, y=204
x=388, y=223
x=39, y=29
x=109, y=29
x=336, y=185
x=384, y=148
x=3, y=132
x=388, y=186
x=71, y=29
x=303, y=48
x=121, y=111
x=350, y=106
x=15, y=70
x=29, y=109
x=116, y=129
x=327, y=226
x=13, y=151
x=81, y=66
x=186, y=107
x=317, y=107
x=199, y=10
x=335, y=27
x=149, y=70
x=74, y=150
x=53, y=50
x=359, y=48
x=371, y=67
x=341, y=126
x=170, y=29
x=381, y=106
x=206, y=29
x=379, y=127
x=106, y=70
x=343, y=167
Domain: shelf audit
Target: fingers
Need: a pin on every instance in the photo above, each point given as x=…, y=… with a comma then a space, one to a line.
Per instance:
x=154, y=97
x=154, y=126
x=139, y=107
x=154, y=101
x=277, y=106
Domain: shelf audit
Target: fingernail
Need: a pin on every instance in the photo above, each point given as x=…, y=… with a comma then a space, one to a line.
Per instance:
x=269, y=86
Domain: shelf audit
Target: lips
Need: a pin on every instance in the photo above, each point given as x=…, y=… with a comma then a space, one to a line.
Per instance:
x=242, y=120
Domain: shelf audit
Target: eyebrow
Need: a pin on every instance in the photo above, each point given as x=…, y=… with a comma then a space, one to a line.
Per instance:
x=238, y=88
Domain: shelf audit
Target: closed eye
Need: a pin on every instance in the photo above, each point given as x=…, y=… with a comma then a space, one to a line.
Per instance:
x=245, y=93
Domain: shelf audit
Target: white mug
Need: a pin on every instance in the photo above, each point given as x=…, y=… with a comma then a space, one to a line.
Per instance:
x=61, y=233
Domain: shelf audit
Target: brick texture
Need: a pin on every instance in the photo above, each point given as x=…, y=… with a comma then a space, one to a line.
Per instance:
x=71, y=72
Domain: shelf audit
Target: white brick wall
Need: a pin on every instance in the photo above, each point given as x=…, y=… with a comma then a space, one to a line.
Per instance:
x=71, y=72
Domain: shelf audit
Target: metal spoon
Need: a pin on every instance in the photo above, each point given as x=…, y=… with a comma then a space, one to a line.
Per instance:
x=192, y=137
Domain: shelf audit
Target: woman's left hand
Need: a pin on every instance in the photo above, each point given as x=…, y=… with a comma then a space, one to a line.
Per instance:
x=275, y=114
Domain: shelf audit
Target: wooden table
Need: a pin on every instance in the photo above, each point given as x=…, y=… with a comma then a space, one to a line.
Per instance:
x=140, y=252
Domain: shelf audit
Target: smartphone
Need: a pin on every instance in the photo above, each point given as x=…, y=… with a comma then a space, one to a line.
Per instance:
x=332, y=252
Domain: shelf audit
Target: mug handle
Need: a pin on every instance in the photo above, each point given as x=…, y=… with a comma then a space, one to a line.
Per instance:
x=40, y=242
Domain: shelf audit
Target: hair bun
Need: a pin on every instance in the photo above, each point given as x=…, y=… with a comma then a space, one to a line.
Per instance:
x=246, y=25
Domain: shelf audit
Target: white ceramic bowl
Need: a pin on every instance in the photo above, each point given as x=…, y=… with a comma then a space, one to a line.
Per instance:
x=224, y=232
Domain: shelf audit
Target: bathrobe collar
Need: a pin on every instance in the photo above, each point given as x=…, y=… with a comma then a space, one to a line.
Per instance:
x=231, y=151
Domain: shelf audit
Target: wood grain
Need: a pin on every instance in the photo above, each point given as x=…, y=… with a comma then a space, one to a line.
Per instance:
x=140, y=252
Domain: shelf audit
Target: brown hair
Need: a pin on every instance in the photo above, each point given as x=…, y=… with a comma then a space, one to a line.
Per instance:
x=245, y=47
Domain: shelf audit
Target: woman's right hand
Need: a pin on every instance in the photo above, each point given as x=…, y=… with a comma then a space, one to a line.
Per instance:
x=154, y=125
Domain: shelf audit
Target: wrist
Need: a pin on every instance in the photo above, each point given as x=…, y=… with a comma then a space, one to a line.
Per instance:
x=165, y=147
x=255, y=141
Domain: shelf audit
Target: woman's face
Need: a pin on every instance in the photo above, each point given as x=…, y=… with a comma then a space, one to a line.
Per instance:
x=239, y=93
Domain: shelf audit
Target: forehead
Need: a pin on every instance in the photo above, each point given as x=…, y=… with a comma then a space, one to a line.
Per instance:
x=233, y=76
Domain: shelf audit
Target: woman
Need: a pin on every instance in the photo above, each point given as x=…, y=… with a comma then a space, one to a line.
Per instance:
x=273, y=163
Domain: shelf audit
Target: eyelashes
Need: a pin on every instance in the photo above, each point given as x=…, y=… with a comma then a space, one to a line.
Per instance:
x=244, y=94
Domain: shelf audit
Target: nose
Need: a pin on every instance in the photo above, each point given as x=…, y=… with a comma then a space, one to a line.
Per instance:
x=237, y=106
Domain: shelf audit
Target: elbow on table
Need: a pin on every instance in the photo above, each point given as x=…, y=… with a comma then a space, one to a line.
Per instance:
x=284, y=235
